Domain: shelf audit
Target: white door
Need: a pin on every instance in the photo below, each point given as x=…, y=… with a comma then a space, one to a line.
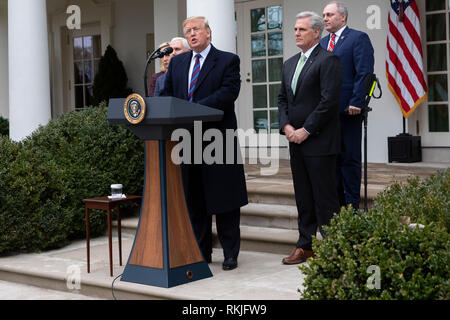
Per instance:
x=432, y=119
x=82, y=53
x=260, y=47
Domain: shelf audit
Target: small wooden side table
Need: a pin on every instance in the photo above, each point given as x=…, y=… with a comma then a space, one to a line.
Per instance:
x=104, y=203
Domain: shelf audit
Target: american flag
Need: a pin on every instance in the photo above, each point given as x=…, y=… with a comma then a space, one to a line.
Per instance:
x=404, y=59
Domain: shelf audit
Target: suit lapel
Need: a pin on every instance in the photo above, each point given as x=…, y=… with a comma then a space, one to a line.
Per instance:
x=208, y=65
x=292, y=70
x=306, y=67
x=187, y=64
x=342, y=38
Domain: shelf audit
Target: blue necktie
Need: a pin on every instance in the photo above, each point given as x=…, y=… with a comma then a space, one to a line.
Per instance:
x=194, y=77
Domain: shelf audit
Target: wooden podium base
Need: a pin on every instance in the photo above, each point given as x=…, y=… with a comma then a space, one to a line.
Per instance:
x=165, y=252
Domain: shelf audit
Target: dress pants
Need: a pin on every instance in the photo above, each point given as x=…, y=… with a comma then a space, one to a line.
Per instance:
x=315, y=193
x=348, y=174
x=227, y=223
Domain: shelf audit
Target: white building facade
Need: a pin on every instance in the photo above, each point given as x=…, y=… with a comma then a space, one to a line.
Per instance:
x=48, y=63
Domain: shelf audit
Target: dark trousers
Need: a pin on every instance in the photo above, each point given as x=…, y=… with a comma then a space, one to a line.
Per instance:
x=228, y=230
x=348, y=170
x=315, y=193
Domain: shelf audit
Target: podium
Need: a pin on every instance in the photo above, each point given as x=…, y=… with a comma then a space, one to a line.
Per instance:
x=165, y=252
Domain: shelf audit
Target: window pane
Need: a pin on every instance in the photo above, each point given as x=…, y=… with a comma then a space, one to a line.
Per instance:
x=437, y=87
x=88, y=72
x=275, y=66
x=438, y=118
x=79, y=102
x=88, y=93
x=275, y=44
x=274, y=124
x=260, y=96
x=78, y=72
x=87, y=47
x=436, y=27
x=274, y=17
x=259, y=71
x=97, y=46
x=437, y=57
x=78, y=48
x=260, y=121
x=433, y=5
x=274, y=90
x=258, y=19
x=258, y=45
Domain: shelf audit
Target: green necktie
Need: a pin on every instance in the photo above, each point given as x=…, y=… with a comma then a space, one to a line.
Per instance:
x=297, y=71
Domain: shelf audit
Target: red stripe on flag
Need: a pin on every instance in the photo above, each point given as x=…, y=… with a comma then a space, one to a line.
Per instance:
x=409, y=57
x=399, y=67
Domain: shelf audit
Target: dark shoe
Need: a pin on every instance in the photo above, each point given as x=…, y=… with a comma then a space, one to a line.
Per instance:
x=298, y=255
x=229, y=264
x=208, y=259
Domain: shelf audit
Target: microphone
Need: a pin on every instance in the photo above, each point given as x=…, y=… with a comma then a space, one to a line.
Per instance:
x=165, y=52
x=155, y=54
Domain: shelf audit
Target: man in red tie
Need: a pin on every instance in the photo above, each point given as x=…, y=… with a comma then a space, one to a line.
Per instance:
x=210, y=77
x=355, y=52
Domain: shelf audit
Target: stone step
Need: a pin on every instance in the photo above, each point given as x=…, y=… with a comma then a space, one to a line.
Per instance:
x=253, y=238
x=281, y=192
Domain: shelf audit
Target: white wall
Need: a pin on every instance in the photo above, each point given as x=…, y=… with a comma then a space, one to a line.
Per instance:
x=4, y=87
x=386, y=118
x=133, y=20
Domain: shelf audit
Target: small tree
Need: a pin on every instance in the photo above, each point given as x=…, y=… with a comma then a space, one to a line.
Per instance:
x=111, y=79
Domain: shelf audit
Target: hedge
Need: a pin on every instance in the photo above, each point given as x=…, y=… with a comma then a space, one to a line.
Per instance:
x=45, y=177
x=412, y=263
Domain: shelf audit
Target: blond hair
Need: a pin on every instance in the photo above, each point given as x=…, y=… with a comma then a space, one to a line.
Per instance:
x=161, y=64
x=205, y=23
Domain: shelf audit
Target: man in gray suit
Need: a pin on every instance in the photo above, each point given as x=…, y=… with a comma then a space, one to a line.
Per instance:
x=309, y=117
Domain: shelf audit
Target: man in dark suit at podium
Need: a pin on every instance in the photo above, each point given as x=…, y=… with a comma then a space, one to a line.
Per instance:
x=210, y=77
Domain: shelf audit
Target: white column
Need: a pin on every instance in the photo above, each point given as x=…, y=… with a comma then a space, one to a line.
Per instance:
x=29, y=75
x=220, y=15
x=4, y=101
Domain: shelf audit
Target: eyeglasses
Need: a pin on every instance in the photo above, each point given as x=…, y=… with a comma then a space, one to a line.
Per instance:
x=195, y=29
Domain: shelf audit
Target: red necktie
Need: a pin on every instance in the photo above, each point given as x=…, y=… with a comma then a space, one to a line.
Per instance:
x=332, y=42
x=195, y=72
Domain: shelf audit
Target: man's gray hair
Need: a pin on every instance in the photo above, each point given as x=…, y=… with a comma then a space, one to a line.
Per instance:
x=185, y=43
x=316, y=22
x=341, y=8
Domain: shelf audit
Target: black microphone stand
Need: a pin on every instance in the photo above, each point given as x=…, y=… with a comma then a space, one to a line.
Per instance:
x=370, y=85
x=155, y=54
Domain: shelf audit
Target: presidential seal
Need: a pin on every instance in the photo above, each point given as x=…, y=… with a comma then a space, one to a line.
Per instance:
x=134, y=108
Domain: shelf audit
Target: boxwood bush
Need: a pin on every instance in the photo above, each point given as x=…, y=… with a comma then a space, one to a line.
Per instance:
x=4, y=126
x=45, y=177
x=412, y=263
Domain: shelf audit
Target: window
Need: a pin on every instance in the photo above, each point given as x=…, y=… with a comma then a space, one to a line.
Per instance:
x=267, y=62
x=437, y=48
x=86, y=58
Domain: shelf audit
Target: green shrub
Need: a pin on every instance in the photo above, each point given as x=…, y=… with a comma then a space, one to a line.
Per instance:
x=4, y=127
x=111, y=79
x=44, y=178
x=413, y=262
x=423, y=201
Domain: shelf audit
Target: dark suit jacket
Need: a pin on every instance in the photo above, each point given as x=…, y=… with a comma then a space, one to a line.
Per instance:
x=315, y=103
x=217, y=87
x=356, y=55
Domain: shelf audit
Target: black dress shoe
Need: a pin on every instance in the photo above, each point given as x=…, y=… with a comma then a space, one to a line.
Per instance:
x=229, y=264
x=208, y=259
